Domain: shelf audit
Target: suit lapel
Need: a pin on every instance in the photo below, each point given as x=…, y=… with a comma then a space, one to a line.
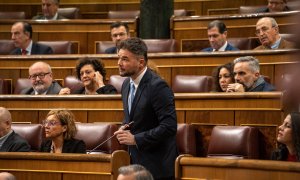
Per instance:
x=125, y=93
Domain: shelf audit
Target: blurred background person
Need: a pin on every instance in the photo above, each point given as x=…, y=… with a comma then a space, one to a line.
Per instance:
x=49, y=8
x=119, y=31
x=223, y=75
x=60, y=131
x=134, y=172
x=274, y=6
x=288, y=139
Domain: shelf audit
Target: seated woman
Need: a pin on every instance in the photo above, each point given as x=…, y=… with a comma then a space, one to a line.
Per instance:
x=289, y=139
x=92, y=74
x=223, y=76
x=60, y=131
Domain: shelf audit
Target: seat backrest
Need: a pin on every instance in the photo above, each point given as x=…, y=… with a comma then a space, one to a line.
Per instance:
x=6, y=47
x=70, y=12
x=180, y=12
x=12, y=15
x=116, y=81
x=289, y=37
x=59, y=47
x=73, y=83
x=101, y=46
x=250, y=9
x=234, y=141
x=191, y=84
x=33, y=133
x=244, y=43
x=123, y=14
x=94, y=134
x=161, y=45
x=186, y=139
x=5, y=86
x=22, y=83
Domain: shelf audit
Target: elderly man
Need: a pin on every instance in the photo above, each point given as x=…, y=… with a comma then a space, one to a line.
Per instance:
x=247, y=76
x=119, y=31
x=275, y=6
x=41, y=79
x=217, y=36
x=49, y=8
x=21, y=34
x=9, y=140
x=267, y=31
x=134, y=172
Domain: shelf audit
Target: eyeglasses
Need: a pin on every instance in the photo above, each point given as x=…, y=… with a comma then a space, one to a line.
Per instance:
x=41, y=76
x=50, y=123
x=120, y=34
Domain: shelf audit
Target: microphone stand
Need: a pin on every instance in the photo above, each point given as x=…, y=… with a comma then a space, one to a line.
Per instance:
x=123, y=128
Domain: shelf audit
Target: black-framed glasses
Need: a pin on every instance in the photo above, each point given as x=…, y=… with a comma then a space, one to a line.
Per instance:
x=41, y=76
x=50, y=123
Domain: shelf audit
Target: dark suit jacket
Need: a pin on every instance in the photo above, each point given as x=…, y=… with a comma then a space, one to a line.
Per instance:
x=266, y=9
x=36, y=49
x=229, y=47
x=69, y=146
x=53, y=89
x=155, y=125
x=111, y=50
x=284, y=44
x=42, y=17
x=107, y=89
x=15, y=143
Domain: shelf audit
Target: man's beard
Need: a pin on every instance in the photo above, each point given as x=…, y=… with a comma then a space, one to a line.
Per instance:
x=40, y=87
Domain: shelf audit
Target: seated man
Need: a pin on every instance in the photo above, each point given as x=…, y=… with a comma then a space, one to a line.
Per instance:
x=9, y=140
x=134, y=172
x=275, y=6
x=49, y=8
x=217, y=36
x=119, y=31
x=21, y=34
x=40, y=75
x=247, y=76
x=267, y=31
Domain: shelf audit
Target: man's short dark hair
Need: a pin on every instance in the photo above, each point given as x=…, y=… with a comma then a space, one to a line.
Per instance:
x=136, y=46
x=219, y=24
x=139, y=172
x=28, y=28
x=119, y=24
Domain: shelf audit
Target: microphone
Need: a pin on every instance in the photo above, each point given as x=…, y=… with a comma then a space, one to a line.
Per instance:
x=124, y=127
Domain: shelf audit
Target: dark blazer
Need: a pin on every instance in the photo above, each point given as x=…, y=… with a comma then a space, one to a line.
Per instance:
x=42, y=17
x=36, y=49
x=15, y=143
x=69, y=146
x=107, y=89
x=111, y=50
x=53, y=89
x=264, y=87
x=229, y=47
x=155, y=125
x=284, y=44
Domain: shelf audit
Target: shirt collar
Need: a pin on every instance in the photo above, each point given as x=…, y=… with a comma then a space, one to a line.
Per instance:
x=54, y=17
x=137, y=80
x=222, y=48
x=276, y=44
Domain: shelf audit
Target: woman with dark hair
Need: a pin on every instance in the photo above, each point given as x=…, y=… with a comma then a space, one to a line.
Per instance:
x=60, y=131
x=223, y=75
x=91, y=72
x=289, y=139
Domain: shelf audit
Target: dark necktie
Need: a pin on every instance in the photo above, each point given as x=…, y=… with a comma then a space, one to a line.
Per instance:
x=24, y=52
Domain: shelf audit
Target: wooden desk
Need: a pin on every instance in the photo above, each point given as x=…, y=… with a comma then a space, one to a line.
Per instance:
x=48, y=166
x=228, y=169
x=195, y=27
x=205, y=110
x=273, y=63
x=86, y=32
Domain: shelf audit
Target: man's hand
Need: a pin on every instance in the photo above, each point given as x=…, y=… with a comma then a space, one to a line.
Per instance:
x=235, y=87
x=64, y=91
x=125, y=137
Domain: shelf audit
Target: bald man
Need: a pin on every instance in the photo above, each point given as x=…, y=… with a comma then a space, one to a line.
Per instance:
x=267, y=31
x=50, y=11
x=9, y=140
x=40, y=75
x=7, y=176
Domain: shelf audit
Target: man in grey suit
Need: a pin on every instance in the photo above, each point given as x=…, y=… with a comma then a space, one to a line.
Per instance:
x=49, y=8
x=21, y=34
x=41, y=79
x=148, y=102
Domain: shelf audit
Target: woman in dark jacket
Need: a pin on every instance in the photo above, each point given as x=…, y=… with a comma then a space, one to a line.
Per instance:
x=223, y=75
x=60, y=131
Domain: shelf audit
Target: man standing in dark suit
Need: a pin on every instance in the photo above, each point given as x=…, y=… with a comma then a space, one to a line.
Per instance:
x=21, y=34
x=149, y=103
x=217, y=36
x=49, y=8
x=119, y=31
x=9, y=140
x=40, y=75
